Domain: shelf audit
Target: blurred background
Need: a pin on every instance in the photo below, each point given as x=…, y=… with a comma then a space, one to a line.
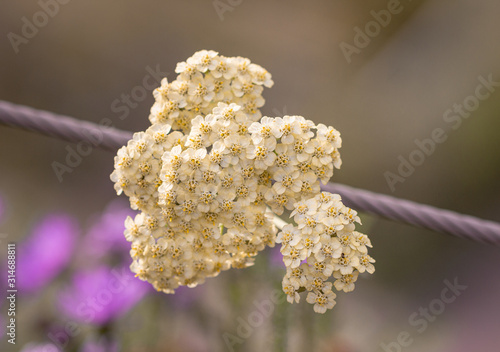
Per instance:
x=382, y=83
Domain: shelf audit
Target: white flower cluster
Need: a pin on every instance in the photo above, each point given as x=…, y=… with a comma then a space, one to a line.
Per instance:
x=323, y=244
x=210, y=174
x=138, y=165
x=204, y=80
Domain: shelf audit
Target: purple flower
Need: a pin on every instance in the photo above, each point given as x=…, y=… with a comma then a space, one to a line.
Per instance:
x=46, y=347
x=99, y=295
x=106, y=234
x=275, y=256
x=46, y=252
x=101, y=345
x=185, y=296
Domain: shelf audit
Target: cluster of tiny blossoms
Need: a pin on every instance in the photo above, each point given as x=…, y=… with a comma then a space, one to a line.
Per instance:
x=323, y=244
x=204, y=80
x=210, y=175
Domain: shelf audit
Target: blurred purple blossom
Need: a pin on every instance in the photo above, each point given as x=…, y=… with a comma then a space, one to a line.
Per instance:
x=45, y=347
x=185, y=296
x=101, y=345
x=106, y=234
x=275, y=256
x=99, y=295
x=46, y=252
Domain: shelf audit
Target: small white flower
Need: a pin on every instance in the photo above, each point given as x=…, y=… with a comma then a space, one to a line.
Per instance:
x=203, y=60
x=202, y=90
x=346, y=263
x=242, y=67
x=187, y=71
x=290, y=289
x=263, y=153
x=285, y=181
x=192, y=160
x=288, y=236
x=304, y=208
x=241, y=88
x=345, y=282
x=260, y=75
x=293, y=256
x=321, y=301
x=289, y=128
x=365, y=264
x=266, y=128
x=235, y=148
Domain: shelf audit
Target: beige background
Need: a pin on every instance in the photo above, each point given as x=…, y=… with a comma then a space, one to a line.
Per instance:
x=394, y=91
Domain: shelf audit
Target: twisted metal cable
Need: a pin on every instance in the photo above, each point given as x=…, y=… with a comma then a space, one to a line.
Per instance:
x=400, y=210
x=420, y=215
x=63, y=127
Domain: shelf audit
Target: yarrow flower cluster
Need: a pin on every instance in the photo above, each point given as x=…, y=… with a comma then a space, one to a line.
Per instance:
x=210, y=175
x=323, y=244
x=204, y=80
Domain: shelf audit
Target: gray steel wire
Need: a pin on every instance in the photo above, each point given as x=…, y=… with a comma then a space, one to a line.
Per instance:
x=389, y=207
x=63, y=127
x=416, y=214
